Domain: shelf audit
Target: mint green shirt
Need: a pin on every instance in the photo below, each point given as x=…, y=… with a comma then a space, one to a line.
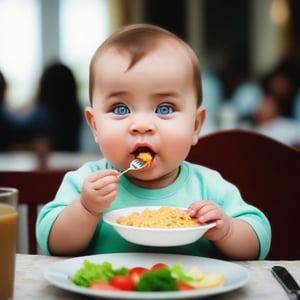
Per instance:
x=193, y=183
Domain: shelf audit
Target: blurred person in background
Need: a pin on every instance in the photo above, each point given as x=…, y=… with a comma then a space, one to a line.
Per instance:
x=20, y=131
x=283, y=83
x=275, y=115
x=7, y=133
x=270, y=120
x=57, y=96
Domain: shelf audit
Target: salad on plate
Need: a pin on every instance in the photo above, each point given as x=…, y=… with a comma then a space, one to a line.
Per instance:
x=159, y=277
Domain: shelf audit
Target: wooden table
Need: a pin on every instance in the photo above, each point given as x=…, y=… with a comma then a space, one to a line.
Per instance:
x=31, y=284
x=27, y=161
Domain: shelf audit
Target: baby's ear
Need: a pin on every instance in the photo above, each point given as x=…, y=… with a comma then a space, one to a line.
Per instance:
x=89, y=116
x=199, y=121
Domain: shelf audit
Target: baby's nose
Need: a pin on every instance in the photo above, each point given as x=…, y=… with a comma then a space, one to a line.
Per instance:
x=142, y=124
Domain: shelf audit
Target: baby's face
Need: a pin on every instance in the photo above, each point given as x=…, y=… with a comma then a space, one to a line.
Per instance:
x=150, y=107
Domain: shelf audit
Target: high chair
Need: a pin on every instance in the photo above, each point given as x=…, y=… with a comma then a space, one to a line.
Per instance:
x=267, y=174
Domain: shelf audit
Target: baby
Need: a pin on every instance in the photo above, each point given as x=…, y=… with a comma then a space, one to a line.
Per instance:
x=145, y=95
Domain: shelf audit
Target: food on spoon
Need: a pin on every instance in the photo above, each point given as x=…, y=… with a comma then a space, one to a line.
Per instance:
x=166, y=278
x=146, y=157
x=164, y=217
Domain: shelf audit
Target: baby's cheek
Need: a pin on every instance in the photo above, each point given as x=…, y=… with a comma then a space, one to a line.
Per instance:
x=179, y=147
x=110, y=146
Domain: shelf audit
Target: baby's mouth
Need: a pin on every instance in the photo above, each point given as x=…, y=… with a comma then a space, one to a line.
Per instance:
x=144, y=153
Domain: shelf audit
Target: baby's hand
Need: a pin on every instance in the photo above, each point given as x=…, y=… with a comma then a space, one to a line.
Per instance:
x=208, y=211
x=99, y=190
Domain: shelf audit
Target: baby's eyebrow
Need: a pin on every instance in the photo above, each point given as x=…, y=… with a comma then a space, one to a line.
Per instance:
x=116, y=93
x=167, y=94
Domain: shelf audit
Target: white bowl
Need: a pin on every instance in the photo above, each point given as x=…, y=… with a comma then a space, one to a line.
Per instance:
x=161, y=237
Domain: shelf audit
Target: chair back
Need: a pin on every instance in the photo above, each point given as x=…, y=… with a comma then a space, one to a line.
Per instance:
x=35, y=188
x=267, y=174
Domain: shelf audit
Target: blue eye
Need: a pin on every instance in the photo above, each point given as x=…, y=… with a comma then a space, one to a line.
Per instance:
x=121, y=110
x=164, y=109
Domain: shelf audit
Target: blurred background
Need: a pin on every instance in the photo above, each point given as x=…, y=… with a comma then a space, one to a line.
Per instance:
x=249, y=53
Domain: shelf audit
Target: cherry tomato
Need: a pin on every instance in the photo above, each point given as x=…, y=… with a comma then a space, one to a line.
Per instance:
x=122, y=282
x=159, y=266
x=182, y=286
x=135, y=273
x=102, y=285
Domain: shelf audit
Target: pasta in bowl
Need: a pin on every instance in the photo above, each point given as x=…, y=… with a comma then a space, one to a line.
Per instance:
x=156, y=226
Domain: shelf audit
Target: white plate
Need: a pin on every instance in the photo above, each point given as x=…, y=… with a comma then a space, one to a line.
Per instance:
x=235, y=276
x=157, y=237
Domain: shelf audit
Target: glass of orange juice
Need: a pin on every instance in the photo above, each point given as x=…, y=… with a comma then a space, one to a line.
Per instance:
x=8, y=240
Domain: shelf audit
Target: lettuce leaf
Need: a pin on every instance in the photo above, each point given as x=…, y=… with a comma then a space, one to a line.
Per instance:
x=158, y=280
x=180, y=275
x=96, y=272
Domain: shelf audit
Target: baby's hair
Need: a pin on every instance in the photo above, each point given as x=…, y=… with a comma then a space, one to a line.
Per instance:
x=139, y=40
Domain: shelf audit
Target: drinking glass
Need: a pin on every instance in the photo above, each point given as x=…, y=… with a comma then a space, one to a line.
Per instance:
x=8, y=240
